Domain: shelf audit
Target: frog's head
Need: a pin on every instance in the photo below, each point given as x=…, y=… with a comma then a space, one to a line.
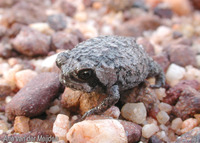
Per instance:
x=85, y=74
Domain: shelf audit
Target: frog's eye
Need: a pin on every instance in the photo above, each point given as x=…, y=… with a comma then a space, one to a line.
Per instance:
x=85, y=74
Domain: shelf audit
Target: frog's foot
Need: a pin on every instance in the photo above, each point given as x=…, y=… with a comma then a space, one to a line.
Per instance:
x=90, y=112
x=160, y=82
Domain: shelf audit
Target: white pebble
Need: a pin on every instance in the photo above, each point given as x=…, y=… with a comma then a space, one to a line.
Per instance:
x=192, y=73
x=8, y=99
x=165, y=107
x=97, y=131
x=149, y=129
x=162, y=117
x=174, y=74
x=160, y=93
x=135, y=112
x=176, y=124
x=61, y=126
x=54, y=109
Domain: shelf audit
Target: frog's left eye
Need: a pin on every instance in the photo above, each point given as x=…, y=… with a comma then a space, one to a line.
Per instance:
x=85, y=74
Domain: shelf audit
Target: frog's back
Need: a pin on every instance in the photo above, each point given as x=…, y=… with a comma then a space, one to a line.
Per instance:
x=120, y=53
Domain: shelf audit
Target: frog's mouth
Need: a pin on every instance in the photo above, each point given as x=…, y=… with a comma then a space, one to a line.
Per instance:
x=69, y=82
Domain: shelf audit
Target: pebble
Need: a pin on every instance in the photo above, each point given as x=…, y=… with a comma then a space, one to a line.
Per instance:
x=75, y=100
x=119, y=4
x=135, y=27
x=190, y=136
x=175, y=92
x=42, y=126
x=21, y=124
x=107, y=130
x=61, y=126
x=23, y=77
x=32, y=99
x=133, y=131
x=165, y=107
x=188, y=125
x=25, y=12
x=54, y=109
x=65, y=6
x=182, y=55
x=113, y=112
x=30, y=42
x=42, y=28
x=57, y=22
x=149, y=129
x=174, y=74
x=162, y=60
x=188, y=104
x=192, y=73
x=135, y=112
x=162, y=117
x=63, y=40
x=176, y=124
x=160, y=92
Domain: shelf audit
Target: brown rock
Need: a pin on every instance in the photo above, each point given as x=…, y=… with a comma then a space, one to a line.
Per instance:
x=162, y=60
x=188, y=104
x=147, y=46
x=133, y=131
x=25, y=12
x=77, y=101
x=57, y=22
x=195, y=3
x=191, y=136
x=137, y=26
x=67, y=41
x=31, y=43
x=21, y=124
x=113, y=112
x=175, y=92
x=65, y=7
x=35, y=97
x=119, y=4
x=181, y=55
x=38, y=125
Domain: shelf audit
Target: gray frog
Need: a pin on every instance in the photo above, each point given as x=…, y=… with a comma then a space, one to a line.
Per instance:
x=112, y=63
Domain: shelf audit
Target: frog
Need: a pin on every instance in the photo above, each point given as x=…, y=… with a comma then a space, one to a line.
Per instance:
x=111, y=64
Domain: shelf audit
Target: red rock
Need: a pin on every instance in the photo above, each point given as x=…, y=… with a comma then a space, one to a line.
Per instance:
x=188, y=104
x=35, y=97
x=25, y=12
x=67, y=41
x=65, y=7
x=31, y=43
x=191, y=136
x=135, y=27
x=175, y=92
x=181, y=55
x=133, y=131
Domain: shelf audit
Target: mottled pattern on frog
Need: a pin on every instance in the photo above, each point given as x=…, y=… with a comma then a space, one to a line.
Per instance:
x=116, y=61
